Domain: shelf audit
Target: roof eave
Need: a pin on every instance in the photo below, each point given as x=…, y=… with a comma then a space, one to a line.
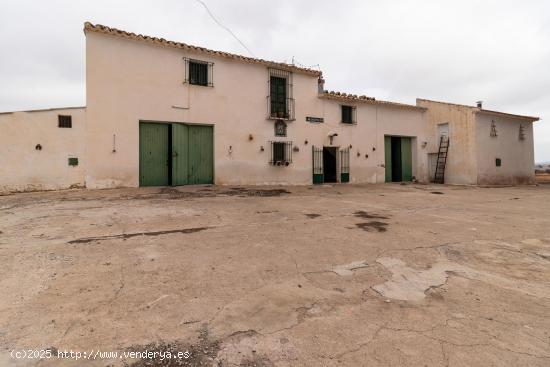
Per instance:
x=371, y=101
x=98, y=28
x=508, y=115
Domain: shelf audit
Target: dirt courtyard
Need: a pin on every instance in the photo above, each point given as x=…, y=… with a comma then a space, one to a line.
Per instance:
x=343, y=275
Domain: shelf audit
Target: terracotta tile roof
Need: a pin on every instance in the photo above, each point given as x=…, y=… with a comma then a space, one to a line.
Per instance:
x=98, y=28
x=365, y=99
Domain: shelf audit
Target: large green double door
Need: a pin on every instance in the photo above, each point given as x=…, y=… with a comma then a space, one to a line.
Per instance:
x=175, y=154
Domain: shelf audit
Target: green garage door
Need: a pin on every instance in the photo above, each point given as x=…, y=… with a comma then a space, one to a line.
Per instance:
x=180, y=154
x=201, y=154
x=175, y=154
x=154, y=160
x=406, y=159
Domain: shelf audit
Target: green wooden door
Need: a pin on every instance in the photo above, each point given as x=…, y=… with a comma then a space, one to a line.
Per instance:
x=154, y=157
x=201, y=154
x=180, y=154
x=387, y=153
x=406, y=159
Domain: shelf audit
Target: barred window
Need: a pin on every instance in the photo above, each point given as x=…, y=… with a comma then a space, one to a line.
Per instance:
x=199, y=72
x=280, y=103
x=281, y=153
x=64, y=121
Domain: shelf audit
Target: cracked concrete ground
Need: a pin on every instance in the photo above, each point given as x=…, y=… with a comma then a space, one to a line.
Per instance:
x=345, y=275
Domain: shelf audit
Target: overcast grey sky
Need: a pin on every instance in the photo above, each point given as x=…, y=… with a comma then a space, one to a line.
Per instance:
x=457, y=51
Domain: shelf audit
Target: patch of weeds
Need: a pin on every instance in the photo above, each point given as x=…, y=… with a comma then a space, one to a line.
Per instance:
x=172, y=193
x=256, y=361
x=202, y=353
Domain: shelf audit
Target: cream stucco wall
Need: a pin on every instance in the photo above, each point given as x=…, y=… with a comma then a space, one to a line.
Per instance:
x=517, y=156
x=129, y=80
x=23, y=167
x=461, y=167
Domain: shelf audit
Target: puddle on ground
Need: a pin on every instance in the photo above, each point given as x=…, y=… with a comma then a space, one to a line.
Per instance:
x=366, y=215
x=373, y=226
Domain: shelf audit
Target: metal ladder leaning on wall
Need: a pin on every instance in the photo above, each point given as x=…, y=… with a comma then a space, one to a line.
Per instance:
x=441, y=159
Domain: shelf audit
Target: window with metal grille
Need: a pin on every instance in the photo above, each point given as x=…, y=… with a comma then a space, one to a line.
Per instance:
x=278, y=96
x=281, y=153
x=348, y=114
x=64, y=121
x=280, y=102
x=199, y=72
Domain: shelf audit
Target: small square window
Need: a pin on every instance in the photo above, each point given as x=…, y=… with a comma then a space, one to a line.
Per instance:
x=65, y=121
x=348, y=115
x=198, y=73
x=498, y=162
x=73, y=161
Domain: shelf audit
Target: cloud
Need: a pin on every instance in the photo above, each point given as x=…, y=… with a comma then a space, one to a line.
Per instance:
x=460, y=51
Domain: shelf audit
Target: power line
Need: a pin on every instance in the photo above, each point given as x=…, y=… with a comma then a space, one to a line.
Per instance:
x=224, y=27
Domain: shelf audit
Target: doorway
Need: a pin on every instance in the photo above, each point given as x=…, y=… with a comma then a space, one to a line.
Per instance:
x=398, y=158
x=329, y=164
x=175, y=154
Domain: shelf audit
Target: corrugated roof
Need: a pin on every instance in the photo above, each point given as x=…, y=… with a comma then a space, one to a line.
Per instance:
x=98, y=28
x=365, y=99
